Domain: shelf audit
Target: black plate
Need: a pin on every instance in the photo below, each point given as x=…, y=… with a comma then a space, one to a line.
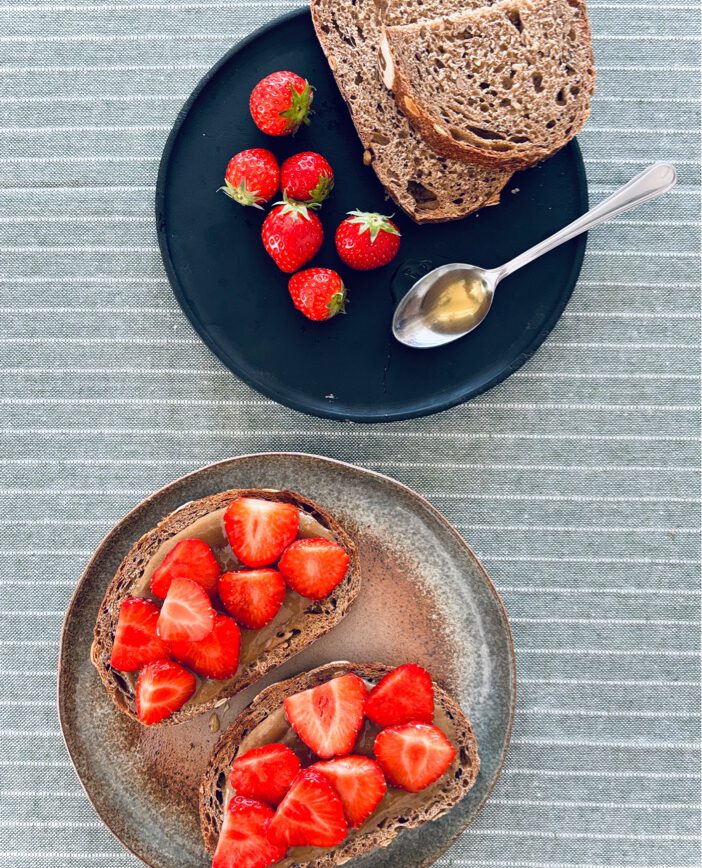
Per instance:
x=349, y=367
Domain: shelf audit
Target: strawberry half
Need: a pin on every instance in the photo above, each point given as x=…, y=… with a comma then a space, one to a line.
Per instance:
x=259, y=530
x=189, y=559
x=186, y=614
x=404, y=695
x=243, y=842
x=314, y=567
x=162, y=688
x=217, y=655
x=310, y=815
x=360, y=783
x=264, y=773
x=413, y=755
x=136, y=642
x=253, y=597
x=328, y=717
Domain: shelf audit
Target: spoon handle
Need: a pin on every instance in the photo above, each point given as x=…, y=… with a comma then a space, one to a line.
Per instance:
x=653, y=181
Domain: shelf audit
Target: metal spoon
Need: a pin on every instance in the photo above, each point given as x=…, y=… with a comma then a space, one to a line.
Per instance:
x=454, y=299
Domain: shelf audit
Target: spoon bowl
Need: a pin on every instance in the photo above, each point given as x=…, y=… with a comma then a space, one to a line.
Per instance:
x=452, y=300
x=445, y=304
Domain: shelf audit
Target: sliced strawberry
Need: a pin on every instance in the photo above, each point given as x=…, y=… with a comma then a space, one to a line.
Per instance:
x=243, y=842
x=404, y=695
x=310, y=815
x=259, y=530
x=190, y=559
x=162, y=688
x=217, y=655
x=186, y=614
x=253, y=597
x=360, y=783
x=329, y=717
x=314, y=567
x=264, y=773
x=413, y=755
x=136, y=642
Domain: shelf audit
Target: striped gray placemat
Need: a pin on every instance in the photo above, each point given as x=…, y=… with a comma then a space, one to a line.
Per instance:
x=577, y=481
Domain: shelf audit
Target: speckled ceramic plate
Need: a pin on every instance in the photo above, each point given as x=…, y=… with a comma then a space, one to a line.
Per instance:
x=425, y=598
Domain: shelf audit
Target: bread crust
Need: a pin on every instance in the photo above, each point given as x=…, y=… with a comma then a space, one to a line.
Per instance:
x=458, y=780
x=480, y=187
x=316, y=620
x=433, y=130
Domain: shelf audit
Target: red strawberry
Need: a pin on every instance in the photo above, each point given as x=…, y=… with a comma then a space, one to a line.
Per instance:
x=365, y=241
x=280, y=102
x=162, y=688
x=314, y=567
x=360, y=783
x=243, y=842
x=253, y=597
x=328, y=717
x=217, y=655
x=264, y=773
x=404, y=695
x=307, y=177
x=189, y=559
x=136, y=642
x=252, y=177
x=292, y=235
x=258, y=530
x=310, y=815
x=186, y=614
x=413, y=755
x=319, y=293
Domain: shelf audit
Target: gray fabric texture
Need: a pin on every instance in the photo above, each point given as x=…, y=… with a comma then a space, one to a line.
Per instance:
x=577, y=480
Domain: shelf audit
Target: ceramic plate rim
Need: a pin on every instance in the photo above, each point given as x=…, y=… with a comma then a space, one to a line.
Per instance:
x=66, y=730
x=312, y=407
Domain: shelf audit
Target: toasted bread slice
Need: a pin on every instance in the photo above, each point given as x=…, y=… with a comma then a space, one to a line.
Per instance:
x=503, y=86
x=412, y=809
x=292, y=630
x=429, y=188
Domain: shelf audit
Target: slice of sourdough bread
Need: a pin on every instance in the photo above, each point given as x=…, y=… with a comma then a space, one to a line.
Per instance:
x=287, y=638
x=505, y=85
x=415, y=810
x=428, y=187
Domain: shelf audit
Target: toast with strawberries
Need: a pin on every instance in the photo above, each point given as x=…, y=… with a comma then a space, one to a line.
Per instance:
x=220, y=592
x=334, y=763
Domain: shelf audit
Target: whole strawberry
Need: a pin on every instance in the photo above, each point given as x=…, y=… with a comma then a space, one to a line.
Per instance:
x=365, y=240
x=291, y=234
x=319, y=293
x=307, y=177
x=280, y=103
x=252, y=177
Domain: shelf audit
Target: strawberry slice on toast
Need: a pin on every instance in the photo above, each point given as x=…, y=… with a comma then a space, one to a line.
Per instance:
x=360, y=783
x=253, y=597
x=402, y=696
x=136, y=641
x=189, y=559
x=314, y=567
x=243, y=842
x=264, y=773
x=328, y=717
x=162, y=688
x=310, y=815
x=186, y=614
x=413, y=755
x=259, y=530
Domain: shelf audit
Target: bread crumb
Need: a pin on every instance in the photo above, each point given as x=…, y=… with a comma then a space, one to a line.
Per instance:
x=214, y=722
x=367, y=158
